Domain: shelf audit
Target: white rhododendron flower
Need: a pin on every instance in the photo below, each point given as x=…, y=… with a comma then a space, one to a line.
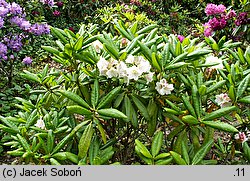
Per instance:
x=133, y=68
x=40, y=123
x=102, y=65
x=149, y=77
x=112, y=72
x=240, y=137
x=122, y=69
x=144, y=65
x=98, y=46
x=134, y=72
x=213, y=59
x=130, y=59
x=163, y=87
x=223, y=100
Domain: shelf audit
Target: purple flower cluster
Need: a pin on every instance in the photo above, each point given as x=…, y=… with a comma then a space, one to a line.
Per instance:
x=3, y=50
x=12, y=15
x=220, y=18
x=48, y=2
x=242, y=19
x=27, y=60
x=213, y=9
x=39, y=29
x=14, y=42
x=17, y=17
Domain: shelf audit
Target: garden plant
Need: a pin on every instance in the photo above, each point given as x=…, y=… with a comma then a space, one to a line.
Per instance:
x=134, y=84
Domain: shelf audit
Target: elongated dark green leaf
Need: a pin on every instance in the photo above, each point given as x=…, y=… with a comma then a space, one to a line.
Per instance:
x=130, y=112
x=221, y=126
x=74, y=97
x=165, y=161
x=219, y=113
x=184, y=152
x=50, y=140
x=79, y=110
x=24, y=143
x=109, y=97
x=245, y=99
x=95, y=94
x=143, y=149
x=85, y=141
x=243, y=85
x=66, y=139
x=156, y=144
x=113, y=113
x=189, y=119
x=202, y=152
x=246, y=150
x=216, y=86
x=177, y=158
x=30, y=76
x=142, y=108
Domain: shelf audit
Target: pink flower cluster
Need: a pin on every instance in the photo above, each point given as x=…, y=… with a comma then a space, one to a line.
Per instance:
x=213, y=9
x=220, y=18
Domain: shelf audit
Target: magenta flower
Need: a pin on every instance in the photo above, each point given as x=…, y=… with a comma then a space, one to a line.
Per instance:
x=27, y=60
x=231, y=14
x=181, y=38
x=213, y=9
x=208, y=31
x=59, y=4
x=56, y=13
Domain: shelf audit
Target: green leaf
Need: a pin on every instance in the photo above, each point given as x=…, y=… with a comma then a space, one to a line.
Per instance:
x=66, y=139
x=156, y=143
x=142, y=108
x=246, y=150
x=216, y=86
x=177, y=158
x=85, y=141
x=189, y=119
x=184, y=152
x=74, y=97
x=219, y=113
x=130, y=112
x=221, y=126
x=24, y=143
x=109, y=97
x=202, y=152
x=78, y=44
x=79, y=110
x=102, y=132
x=161, y=156
x=50, y=50
x=143, y=149
x=30, y=76
x=245, y=99
x=50, y=141
x=113, y=113
x=243, y=85
x=95, y=94
x=166, y=161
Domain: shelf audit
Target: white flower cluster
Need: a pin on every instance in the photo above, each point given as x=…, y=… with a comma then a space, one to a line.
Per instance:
x=163, y=87
x=133, y=68
x=98, y=46
x=223, y=100
x=212, y=59
x=40, y=123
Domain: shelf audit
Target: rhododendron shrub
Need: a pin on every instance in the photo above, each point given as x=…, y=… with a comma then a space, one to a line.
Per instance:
x=131, y=92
